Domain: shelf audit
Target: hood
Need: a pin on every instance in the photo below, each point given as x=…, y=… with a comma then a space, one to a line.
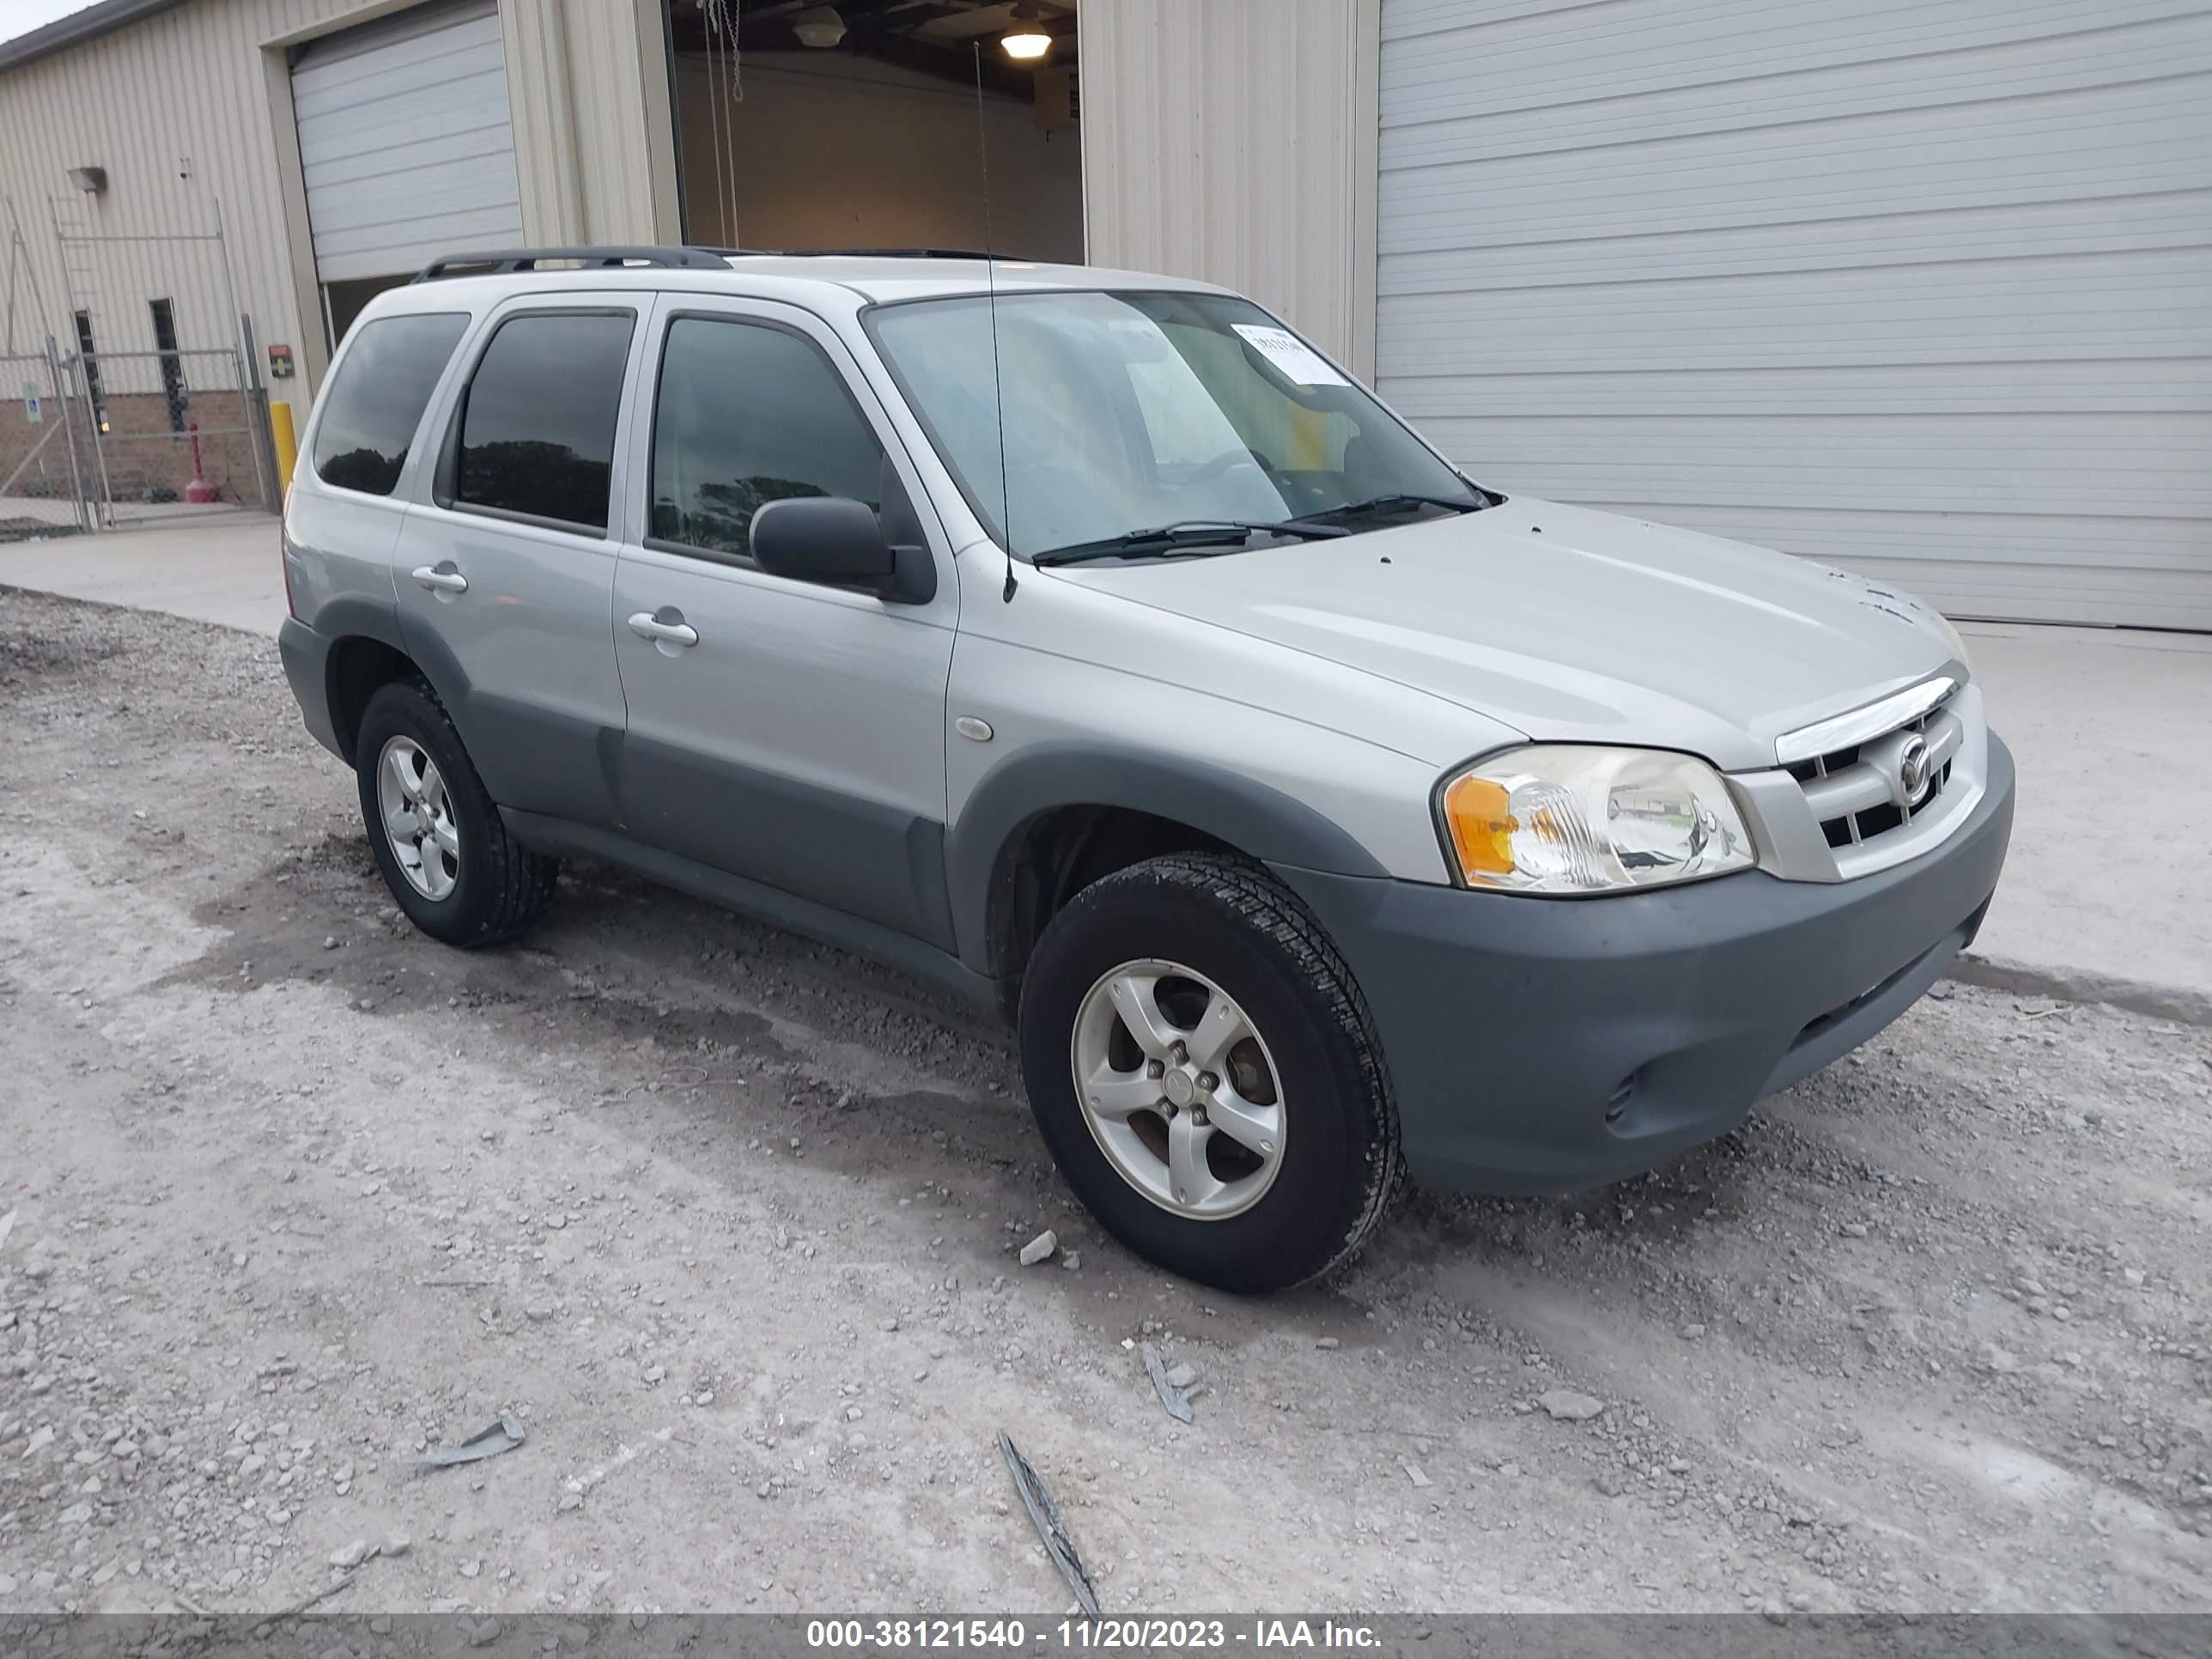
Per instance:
x=1571, y=625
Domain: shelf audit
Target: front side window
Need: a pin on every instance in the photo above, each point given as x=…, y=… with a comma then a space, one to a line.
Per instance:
x=1123, y=412
x=750, y=414
x=537, y=424
x=374, y=406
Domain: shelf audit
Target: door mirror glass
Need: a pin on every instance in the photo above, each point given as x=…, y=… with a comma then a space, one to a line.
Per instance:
x=823, y=538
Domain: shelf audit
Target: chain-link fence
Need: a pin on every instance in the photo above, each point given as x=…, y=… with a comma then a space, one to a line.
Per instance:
x=161, y=373
x=42, y=489
x=171, y=429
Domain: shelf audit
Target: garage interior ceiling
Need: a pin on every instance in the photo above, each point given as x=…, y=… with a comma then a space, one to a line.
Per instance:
x=935, y=37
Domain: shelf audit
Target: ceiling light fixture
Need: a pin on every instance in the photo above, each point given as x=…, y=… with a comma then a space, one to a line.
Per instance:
x=821, y=27
x=1023, y=42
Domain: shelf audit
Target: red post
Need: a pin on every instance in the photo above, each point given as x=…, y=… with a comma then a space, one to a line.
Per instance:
x=199, y=489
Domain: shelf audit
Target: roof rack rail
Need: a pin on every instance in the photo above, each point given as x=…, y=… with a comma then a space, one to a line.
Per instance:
x=888, y=253
x=506, y=261
x=853, y=253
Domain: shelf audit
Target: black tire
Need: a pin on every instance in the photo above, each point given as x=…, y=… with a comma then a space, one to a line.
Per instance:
x=500, y=886
x=1236, y=924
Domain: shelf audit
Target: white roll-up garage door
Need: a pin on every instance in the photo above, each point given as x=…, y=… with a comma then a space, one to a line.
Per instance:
x=1917, y=288
x=405, y=142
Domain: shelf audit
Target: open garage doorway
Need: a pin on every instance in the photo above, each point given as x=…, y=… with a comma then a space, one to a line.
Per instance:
x=810, y=126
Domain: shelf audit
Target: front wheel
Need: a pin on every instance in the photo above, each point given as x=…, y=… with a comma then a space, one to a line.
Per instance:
x=1204, y=1072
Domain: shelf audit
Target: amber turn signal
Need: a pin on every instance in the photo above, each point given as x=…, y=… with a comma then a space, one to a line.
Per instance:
x=1479, y=814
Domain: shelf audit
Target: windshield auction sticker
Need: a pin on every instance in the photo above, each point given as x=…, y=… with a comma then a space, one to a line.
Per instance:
x=1292, y=357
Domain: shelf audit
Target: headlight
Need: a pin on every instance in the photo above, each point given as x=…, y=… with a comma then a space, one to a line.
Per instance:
x=1564, y=819
x=1951, y=636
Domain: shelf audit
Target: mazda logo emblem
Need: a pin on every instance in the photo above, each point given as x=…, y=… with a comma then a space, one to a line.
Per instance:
x=1916, y=771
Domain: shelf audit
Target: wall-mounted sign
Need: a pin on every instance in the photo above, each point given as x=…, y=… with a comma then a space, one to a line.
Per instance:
x=32, y=412
x=280, y=362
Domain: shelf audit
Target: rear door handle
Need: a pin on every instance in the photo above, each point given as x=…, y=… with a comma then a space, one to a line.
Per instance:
x=441, y=578
x=666, y=628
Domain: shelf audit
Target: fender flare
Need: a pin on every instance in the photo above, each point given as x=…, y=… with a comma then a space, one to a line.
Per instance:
x=352, y=616
x=1255, y=818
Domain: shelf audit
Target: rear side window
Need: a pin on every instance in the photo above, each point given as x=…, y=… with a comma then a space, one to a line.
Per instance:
x=747, y=415
x=537, y=424
x=373, y=407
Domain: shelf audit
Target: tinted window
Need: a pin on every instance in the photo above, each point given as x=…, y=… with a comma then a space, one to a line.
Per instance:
x=749, y=414
x=537, y=430
x=371, y=411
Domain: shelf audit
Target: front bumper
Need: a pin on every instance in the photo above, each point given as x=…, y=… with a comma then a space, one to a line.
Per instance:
x=1543, y=1045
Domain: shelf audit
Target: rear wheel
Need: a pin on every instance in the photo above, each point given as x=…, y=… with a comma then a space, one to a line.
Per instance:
x=1203, y=1069
x=439, y=842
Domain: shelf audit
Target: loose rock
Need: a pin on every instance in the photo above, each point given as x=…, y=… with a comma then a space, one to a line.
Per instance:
x=1569, y=1406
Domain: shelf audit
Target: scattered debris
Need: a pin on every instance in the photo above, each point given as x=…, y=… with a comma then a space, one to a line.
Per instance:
x=352, y=1554
x=1044, y=1516
x=582, y=1484
x=1039, y=1248
x=1413, y=1472
x=1164, y=1385
x=313, y=1599
x=1571, y=1406
x=503, y=1435
x=1327, y=1343
x=7, y=1226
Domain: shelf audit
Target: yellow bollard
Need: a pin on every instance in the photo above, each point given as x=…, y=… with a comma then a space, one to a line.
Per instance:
x=287, y=442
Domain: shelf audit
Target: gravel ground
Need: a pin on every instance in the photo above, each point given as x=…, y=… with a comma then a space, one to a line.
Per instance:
x=728, y=1223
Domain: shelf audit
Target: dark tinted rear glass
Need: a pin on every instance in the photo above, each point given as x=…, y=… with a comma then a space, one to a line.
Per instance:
x=538, y=432
x=377, y=401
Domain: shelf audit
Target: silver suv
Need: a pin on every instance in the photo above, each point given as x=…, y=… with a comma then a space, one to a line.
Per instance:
x=1090, y=644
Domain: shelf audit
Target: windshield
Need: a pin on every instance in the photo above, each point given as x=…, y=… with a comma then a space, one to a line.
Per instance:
x=1129, y=411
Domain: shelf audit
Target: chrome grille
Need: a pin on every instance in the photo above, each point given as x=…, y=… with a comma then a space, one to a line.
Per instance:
x=1854, y=791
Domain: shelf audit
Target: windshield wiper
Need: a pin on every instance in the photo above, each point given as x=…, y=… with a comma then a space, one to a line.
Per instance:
x=1397, y=500
x=1184, y=532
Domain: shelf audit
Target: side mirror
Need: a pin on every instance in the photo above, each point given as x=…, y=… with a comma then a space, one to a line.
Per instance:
x=839, y=542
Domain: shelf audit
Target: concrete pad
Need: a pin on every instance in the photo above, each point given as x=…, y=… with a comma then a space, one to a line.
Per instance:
x=2108, y=891
x=43, y=508
x=224, y=570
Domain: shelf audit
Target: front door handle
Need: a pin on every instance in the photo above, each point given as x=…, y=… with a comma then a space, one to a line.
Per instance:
x=665, y=627
x=442, y=578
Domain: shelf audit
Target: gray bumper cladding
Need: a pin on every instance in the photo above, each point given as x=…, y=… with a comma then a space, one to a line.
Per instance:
x=1543, y=1045
x=307, y=656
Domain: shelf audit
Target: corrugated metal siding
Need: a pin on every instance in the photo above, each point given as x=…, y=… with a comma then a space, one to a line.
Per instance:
x=194, y=81
x=1916, y=288
x=186, y=83
x=404, y=142
x=1235, y=141
x=594, y=132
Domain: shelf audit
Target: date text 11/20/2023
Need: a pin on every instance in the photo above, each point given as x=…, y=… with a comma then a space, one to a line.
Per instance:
x=1081, y=1634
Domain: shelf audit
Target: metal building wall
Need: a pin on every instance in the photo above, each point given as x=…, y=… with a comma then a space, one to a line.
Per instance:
x=1235, y=140
x=185, y=84
x=595, y=133
x=207, y=80
x=1925, y=290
